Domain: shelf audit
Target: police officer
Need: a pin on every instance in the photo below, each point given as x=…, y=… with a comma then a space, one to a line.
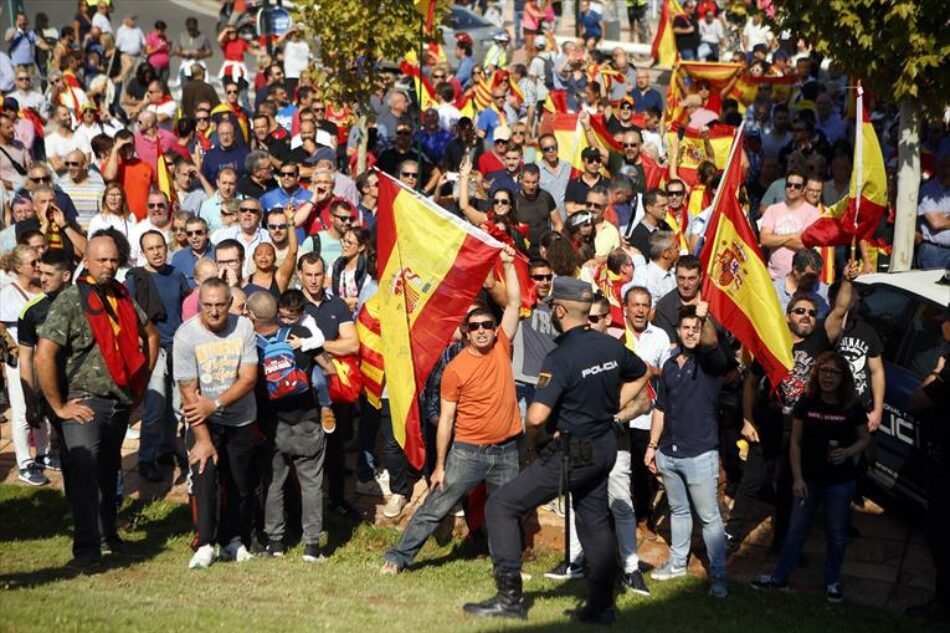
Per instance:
x=583, y=383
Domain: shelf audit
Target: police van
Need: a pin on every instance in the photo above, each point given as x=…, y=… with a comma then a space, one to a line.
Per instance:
x=903, y=308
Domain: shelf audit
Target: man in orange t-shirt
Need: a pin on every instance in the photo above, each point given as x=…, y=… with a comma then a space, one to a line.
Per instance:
x=135, y=175
x=478, y=400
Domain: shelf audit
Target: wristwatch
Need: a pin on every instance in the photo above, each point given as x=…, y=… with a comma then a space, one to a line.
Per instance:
x=218, y=407
x=652, y=445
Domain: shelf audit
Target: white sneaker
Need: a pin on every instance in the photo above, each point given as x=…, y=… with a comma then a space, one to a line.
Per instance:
x=202, y=558
x=370, y=488
x=382, y=478
x=394, y=506
x=236, y=551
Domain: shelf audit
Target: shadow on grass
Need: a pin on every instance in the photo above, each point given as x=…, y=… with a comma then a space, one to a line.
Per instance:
x=31, y=514
x=39, y=508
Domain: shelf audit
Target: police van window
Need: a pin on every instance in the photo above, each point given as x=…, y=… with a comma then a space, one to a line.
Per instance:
x=886, y=309
x=925, y=343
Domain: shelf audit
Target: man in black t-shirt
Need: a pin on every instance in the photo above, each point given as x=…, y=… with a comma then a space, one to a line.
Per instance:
x=767, y=417
x=536, y=207
x=861, y=347
x=292, y=423
x=686, y=31
x=55, y=275
x=335, y=320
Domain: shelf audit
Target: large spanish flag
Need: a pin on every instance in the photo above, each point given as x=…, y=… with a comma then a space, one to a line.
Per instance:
x=664, y=50
x=737, y=283
x=693, y=149
x=572, y=140
x=432, y=264
x=856, y=216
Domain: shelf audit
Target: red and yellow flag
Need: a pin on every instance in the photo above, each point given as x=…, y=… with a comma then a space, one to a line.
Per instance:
x=737, y=283
x=371, y=355
x=572, y=140
x=693, y=149
x=856, y=216
x=426, y=8
x=432, y=264
x=163, y=175
x=664, y=50
x=423, y=90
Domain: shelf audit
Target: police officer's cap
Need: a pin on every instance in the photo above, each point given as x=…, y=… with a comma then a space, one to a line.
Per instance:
x=570, y=289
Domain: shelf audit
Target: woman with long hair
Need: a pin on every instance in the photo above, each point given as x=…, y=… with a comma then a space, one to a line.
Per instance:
x=267, y=274
x=23, y=263
x=558, y=251
x=180, y=238
x=114, y=213
x=579, y=229
x=829, y=432
x=349, y=269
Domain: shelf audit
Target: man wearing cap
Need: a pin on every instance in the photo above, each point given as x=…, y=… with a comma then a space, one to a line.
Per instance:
x=587, y=379
x=463, y=51
x=621, y=119
x=575, y=197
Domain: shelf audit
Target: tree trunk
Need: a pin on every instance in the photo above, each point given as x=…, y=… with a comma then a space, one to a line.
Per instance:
x=908, y=185
x=364, y=142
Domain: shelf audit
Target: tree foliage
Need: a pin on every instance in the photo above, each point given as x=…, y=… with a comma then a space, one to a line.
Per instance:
x=898, y=47
x=354, y=37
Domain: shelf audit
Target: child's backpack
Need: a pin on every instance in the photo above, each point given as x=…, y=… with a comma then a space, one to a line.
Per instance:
x=281, y=373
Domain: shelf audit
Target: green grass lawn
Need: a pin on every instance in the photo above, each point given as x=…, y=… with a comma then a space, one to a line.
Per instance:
x=150, y=588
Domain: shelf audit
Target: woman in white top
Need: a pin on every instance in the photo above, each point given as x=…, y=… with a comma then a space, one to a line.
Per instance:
x=23, y=262
x=114, y=212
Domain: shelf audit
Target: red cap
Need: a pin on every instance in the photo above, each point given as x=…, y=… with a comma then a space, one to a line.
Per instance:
x=464, y=38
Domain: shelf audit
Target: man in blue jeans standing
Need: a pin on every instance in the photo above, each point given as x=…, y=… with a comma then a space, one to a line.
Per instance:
x=684, y=444
x=480, y=407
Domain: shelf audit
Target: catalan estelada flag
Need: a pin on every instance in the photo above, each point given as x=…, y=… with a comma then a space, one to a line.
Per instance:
x=432, y=264
x=371, y=355
x=856, y=216
x=737, y=283
x=664, y=50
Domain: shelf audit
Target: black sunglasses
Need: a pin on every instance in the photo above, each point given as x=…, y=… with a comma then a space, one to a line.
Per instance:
x=195, y=233
x=502, y=201
x=40, y=179
x=800, y=311
x=278, y=227
x=289, y=174
x=345, y=218
x=542, y=277
x=409, y=174
x=794, y=185
x=156, y=205
x=474, y=326
x=549, y=148
x=249, y=210
x=595, y=318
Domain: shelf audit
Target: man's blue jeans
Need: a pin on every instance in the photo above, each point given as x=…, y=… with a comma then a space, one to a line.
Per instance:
x=160, y=412
x=694, y=479
x=836, y=503
x=932, y=256
x=467, y=465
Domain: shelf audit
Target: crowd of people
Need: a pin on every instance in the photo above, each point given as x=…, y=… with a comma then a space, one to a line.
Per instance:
x=204, y=263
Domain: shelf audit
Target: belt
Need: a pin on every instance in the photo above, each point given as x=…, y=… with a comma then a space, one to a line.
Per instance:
x=477, y=447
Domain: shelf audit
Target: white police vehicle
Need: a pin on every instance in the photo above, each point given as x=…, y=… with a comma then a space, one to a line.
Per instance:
x=903, y=308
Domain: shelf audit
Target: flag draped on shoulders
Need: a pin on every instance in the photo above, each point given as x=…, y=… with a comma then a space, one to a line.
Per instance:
x=664, y=50
x=432, y=264
x=856, y=216
x=736, y=283
x=692, y=149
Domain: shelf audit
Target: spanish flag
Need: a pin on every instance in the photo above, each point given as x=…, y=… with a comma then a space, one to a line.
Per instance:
x=856, y=216
x=371, y=356
x=664, y=50
x=163, y=175
x=693, y=149
x=426, y=8
x=422, y=88
x=432, y=264
x=737, y=284
x=572, y=140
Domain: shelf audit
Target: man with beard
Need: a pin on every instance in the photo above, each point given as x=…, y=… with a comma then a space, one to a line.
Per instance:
x=587, y=379
x=767, y=413
x=78, y=349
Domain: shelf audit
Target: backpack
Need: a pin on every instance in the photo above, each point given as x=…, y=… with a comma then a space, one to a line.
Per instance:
x=281, y=373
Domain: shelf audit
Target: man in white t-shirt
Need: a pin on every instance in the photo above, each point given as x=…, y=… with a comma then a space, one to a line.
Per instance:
x=101, y=18
x=781, y=226
x=64, y=140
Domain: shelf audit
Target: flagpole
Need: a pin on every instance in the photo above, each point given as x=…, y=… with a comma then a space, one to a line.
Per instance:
x=858, y=161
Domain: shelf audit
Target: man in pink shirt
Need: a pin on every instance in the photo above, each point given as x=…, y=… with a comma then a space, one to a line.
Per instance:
x=149, y=136
x=781, y=226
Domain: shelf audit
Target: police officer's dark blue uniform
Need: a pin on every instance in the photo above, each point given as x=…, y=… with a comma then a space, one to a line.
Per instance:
x=579, y=392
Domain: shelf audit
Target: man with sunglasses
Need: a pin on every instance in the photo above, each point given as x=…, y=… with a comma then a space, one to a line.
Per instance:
x=621, y=119
x=555, y=173
x=199, y=247
x=83, y=188
x=391, y=160
x=40, y=176
x=767, y=412
x=575, y=196
x=535, y=337
x=288, y=190
x=211, y=209
x=159, y=219
x=27, y=96
x=781, y=226
x=478, y=416
x=248, y=231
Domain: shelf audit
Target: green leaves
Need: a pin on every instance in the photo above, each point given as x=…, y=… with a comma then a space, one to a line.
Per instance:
x=900, y=48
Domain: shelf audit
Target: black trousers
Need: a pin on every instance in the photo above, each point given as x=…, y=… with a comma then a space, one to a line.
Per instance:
x=223, y=496
x=766, y=476
x=394, y=458
x=643, y=482
x=91, y=456
x=334, y=464
x=938, y=518
x=541, y=482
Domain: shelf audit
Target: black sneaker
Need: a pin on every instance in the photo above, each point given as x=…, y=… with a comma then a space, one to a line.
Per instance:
x=150, y=472
x=635, y=582
x=111, y=545
x=312, y=553
x=85, y=561
x=732, y=544
x=274, y=548
x=565, y=571
x=833, y=594
x=768, y=582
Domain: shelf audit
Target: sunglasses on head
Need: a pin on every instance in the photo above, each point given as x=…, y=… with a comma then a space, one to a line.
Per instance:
x=810, y=312
x=474, y=326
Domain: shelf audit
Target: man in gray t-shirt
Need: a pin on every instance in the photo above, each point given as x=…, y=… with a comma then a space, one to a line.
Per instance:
x=535, y=337
x=215, y=364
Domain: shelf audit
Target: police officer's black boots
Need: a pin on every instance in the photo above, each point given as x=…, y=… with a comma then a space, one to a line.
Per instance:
x=592, y=615
x=507, y=603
